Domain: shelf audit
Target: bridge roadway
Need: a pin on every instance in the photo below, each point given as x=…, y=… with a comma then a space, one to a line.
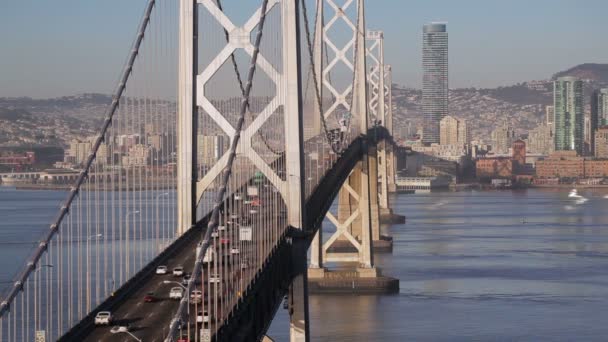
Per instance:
x=150, y=321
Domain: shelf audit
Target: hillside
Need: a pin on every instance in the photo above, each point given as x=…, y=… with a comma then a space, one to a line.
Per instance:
x=597, y=73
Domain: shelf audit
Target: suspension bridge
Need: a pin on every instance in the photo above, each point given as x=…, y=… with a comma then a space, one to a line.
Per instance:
x=233, y=128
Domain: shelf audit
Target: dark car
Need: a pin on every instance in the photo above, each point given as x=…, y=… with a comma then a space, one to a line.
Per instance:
x=150, y=297
x=186, y=279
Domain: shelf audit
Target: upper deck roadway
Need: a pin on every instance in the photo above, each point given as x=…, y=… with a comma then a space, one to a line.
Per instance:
x=150, y=321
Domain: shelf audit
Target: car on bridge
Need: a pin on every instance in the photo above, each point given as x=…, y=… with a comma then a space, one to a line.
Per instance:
x=196, y=297
x=178, y=271
x=161, y=269
x=183, y=338
x=214, y=278
x=150, y=297
x=119, y=329
x=186, y=279
x=103, y=318
x=176, y=293
x=202, y=317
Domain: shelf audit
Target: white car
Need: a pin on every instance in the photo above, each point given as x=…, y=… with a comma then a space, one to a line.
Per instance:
x=119, y=329
x=221, y=228
x=202, y=317
x=244, y=264
x=214, y=278
x=238, y=197
x=253, y=211
x=178, y=271
x=176, y=293
x=215, y=234
x=161, y=270
x=103, y=318
x=234, y=250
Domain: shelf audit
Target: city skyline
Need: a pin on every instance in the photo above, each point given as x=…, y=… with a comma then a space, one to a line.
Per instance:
x=482, y=41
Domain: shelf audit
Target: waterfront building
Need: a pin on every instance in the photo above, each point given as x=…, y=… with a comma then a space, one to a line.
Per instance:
x=494, y=167
x=567, y=164
x=569, y=117
x=561, y=164
x=519, y=156
x=434, y=79
x=17, y=161
x=601, y=142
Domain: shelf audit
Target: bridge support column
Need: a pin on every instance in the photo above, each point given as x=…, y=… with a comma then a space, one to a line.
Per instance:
x=187, y=117
x=294, y=164
x=316, y=247
x=390, y=159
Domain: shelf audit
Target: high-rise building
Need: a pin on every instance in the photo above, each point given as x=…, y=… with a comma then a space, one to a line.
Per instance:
x=434, y=79
x=599, y=107
x=569, y=116
x=598, y=116
x=210, y=148
x=503, y=136
x=550, y=120
x=549, y=115
x=540, y=140
x=453, y=131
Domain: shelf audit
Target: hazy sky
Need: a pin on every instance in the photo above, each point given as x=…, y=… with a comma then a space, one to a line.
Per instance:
x=63, y=47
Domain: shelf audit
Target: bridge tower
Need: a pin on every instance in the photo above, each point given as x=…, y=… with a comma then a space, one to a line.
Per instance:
x=390, y=159
x=197, y=103
x=357, y=222
x=380, y=107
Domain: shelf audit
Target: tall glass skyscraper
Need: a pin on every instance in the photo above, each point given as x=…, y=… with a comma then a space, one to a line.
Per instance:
x=599, y=107
x=569, y=115
x=434, y=79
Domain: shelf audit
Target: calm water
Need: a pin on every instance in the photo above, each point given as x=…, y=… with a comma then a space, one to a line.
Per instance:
x=499, y=266
x=470, y=270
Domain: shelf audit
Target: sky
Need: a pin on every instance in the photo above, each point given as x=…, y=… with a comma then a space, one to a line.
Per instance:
x=66, y=47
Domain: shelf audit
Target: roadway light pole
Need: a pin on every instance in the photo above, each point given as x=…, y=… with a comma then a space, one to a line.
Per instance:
x=127, y=253
x=158, y=216
x=187, y=299
x=36, y=296
x=124, y=330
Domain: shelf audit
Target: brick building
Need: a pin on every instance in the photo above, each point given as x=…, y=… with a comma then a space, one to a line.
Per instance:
x=494, y=167
x=601, y=142
x=566, y=164
x=17, y=161
x=519, y=156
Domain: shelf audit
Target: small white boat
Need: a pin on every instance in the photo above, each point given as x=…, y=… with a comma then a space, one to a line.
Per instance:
x=574, y=194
